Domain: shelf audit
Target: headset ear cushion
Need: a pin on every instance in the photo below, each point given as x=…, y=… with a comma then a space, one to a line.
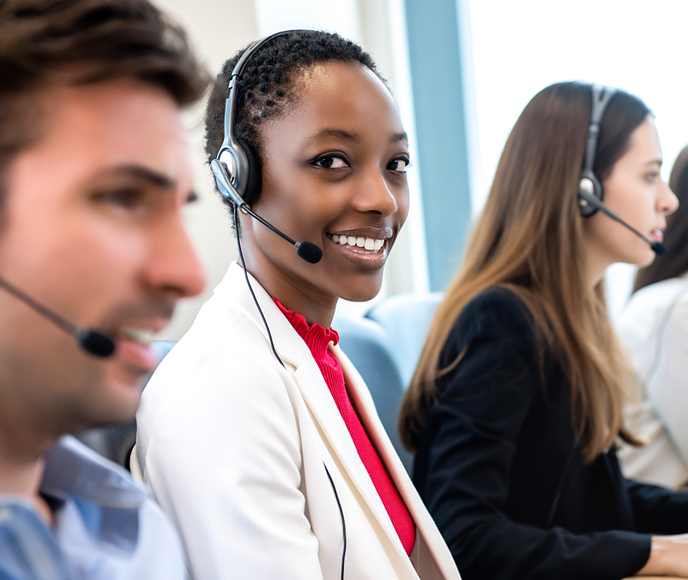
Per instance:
x=592, y=186
x=255, y=173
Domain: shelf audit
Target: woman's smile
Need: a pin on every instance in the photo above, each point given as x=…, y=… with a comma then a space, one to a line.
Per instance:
x=334, y=175
x=364, y=248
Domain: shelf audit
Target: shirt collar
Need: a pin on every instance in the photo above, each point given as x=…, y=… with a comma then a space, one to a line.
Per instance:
x=317, y=337
x=74, y=470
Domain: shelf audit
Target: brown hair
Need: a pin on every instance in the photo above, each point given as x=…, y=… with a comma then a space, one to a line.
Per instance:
x=675, y=261
x=45, y=43
x=528, y=239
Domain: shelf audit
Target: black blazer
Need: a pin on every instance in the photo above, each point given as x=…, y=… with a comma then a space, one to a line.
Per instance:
x=500, y=472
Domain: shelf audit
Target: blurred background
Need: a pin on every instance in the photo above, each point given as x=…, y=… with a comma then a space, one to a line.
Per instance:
x=461, y=72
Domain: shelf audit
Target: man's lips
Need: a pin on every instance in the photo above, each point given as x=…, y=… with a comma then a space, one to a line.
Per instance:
x=132, y=343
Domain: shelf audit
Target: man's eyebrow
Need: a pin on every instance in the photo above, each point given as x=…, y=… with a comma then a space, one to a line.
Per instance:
x=144, y=174
x=152, y=177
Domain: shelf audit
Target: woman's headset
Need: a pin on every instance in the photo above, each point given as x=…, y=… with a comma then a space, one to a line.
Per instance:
x=237, y=166
x=589, y=185
x=237, y=170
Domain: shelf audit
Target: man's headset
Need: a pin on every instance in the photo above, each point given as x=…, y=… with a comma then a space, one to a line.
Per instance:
x=237, y=167
x=590, y=190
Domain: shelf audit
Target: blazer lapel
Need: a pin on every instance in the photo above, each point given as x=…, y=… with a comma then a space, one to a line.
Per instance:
x=304, y=370
x=336, y=437
x=364, y=404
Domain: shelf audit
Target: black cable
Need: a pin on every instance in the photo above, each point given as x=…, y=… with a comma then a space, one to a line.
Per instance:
x=274, y=350
x=248, y=282
x=341, y=513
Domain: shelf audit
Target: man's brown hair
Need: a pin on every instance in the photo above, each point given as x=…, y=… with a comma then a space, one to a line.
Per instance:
x=46, y=43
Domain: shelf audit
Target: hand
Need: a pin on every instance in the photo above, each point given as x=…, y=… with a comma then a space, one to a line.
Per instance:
x=668, y=556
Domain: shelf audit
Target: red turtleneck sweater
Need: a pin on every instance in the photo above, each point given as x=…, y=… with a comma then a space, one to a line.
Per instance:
x=318, y=338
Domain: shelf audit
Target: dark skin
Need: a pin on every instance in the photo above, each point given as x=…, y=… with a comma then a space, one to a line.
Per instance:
x=334, y=175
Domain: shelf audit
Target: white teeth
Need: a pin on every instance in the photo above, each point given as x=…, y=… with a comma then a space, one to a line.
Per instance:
x=370, y=244
x=138, y=335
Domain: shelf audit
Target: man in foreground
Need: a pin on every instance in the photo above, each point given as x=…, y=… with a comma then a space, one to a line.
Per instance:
x=94, y=174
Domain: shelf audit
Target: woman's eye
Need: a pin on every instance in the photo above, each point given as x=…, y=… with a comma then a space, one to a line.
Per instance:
x=652, y=176
x=400, y=164
x=331, y=162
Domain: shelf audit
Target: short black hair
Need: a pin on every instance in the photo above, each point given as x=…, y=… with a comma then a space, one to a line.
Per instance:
x=266, y=88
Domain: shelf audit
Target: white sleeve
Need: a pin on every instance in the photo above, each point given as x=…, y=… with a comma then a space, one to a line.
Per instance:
x=223, y=455
x=667, y=387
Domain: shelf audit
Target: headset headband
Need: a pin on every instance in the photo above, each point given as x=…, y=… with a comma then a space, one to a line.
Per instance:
x=601, y=96
x=231, y=151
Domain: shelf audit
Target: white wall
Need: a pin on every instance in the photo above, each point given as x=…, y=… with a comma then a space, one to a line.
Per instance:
x=217, y=30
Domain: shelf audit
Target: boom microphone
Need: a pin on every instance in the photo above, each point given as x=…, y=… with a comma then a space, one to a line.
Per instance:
x=306, y=250
x=90, y=340
x=657, y=247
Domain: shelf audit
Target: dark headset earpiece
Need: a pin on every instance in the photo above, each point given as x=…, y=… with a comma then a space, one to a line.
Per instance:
x=589, y=185
x=236, y=160
x=255, y=172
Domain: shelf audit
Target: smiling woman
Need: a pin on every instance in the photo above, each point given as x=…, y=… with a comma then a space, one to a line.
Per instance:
x=336, y=166
x=290, y=470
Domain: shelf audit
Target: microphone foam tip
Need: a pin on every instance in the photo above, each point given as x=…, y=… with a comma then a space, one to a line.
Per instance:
x=658, y=248
x=96, y=343
x=309, y=252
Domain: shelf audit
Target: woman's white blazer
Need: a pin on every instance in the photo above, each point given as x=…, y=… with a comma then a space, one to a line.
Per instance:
x=236, y=448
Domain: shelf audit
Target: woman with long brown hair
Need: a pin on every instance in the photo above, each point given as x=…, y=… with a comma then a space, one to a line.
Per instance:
x=654, y=324
x=518, y=398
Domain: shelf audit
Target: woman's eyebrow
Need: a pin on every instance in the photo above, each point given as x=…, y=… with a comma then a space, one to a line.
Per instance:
x=354, y=137
x=402, y=136
x=339, y=133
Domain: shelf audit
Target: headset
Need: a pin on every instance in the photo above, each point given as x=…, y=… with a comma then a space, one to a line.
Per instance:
x=589, y=185
x=237, y=169
x=590, y=190
x=89, y=340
